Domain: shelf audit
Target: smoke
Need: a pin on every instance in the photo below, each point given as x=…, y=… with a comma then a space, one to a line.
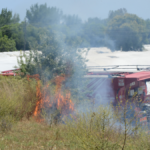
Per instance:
x=109, y=43
x=60, y=43
x=68, y=37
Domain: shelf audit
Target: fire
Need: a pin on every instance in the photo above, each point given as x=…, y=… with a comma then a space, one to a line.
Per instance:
x=62, y=103
x=39, y=96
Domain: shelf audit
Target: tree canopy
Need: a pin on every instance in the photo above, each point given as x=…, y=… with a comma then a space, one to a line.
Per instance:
x=121, y=30
x=7, y=44
x=94, y=31
x=7, y=18
x=42, y=15
x=119, y=12
x=127, y=31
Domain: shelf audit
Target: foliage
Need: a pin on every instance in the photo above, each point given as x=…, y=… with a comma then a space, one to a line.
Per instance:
x=119, y=12
x=15, y=32
x=7, y=44
x=148, y=31
x=127, y=31
x=35, y=36
x=72, y=21
x=44, y=62
x=7, y=18
x=42, y=15
x=120, y=30
x=72, y=29
x=94, y=32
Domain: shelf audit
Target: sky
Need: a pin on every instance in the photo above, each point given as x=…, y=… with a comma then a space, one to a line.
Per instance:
x=83, y=8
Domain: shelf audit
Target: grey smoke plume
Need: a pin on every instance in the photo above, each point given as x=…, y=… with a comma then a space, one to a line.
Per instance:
x=61, y=44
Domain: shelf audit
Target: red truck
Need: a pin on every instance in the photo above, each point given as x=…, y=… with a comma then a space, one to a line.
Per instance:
x=117, y=84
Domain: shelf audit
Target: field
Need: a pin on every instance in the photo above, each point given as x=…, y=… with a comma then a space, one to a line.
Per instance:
x=88, y=135
x=92, y=129
x=28, y=134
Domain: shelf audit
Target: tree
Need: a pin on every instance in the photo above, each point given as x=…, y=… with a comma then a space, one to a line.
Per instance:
x=15, y=32
x=147, y=31
x=72, y=29
x=42, y=15
x=55, y=58
x=7, y=18
x=7, y=44
x=94, y=32
x=128, y=32
x=72, y=21
x=119, y=12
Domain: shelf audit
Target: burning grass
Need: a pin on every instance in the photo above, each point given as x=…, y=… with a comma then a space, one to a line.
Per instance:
x=48, y=103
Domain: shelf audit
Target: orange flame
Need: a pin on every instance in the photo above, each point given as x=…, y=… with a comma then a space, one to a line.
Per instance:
x=63, y=103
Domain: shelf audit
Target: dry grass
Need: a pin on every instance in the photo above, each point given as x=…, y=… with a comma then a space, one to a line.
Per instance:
x=28, y=134
x=74, y=135
x=91, y=130
x=17, y=99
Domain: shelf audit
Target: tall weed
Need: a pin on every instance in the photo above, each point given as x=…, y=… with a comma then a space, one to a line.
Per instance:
x=17, y=98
